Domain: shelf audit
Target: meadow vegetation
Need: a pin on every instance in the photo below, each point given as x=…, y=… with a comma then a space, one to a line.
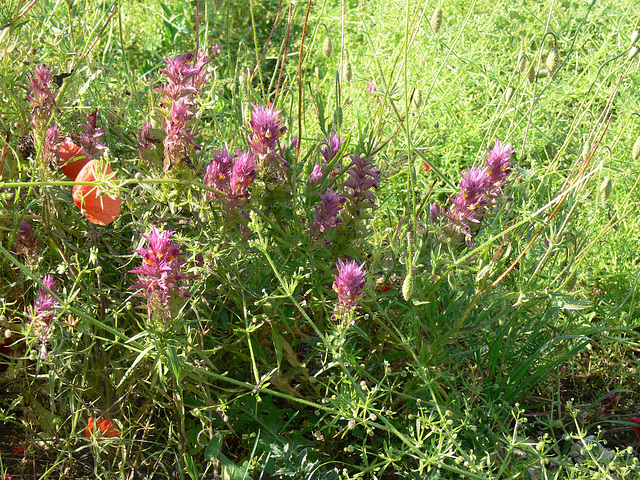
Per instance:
x=319, y=240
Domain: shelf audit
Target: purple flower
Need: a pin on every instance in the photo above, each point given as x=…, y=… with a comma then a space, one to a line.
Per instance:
x=43, y=311
x=42, y=97
x=348, y=284
x=327, y=211
x=90, y=138
x=243, y=173
x=179, y=137
x=26, y=241
x=217, y=174
x=316, y=174
x=363, y=176
x=434, y=213
x=371, y=88
x=266, y=128
x=159, y=275
x=332, y=147
x=179, y=73
x=498, y=168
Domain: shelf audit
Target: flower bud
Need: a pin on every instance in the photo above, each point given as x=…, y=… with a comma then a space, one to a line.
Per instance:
x=633, y=52
x=635, y=36
x=553, y=61
x=407, y=287
x=635, y=153
x=531, y=74
x=508, y=94
x=348, y=73
x=436, y=20
x=606, y=187
x=327, y=47
x=522, y=63
x=417, y=99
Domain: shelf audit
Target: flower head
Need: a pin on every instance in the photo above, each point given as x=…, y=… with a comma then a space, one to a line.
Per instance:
x=72, y=158
x=266, y=128
x=43, y=310
x=348, y=284
x=42, y=97
x=90, y=138
x=363, y=177
x=332, y=147
x=243, y=173
x=498, y=167
x=159, y=274
x=26, y=242
x=102, y=427
x=100, y=207
x=327, y=211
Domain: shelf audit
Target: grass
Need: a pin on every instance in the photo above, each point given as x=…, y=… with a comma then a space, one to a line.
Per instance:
x=490, y=354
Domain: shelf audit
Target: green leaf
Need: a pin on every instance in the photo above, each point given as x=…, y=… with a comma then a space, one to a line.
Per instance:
x=191, y=467
x=214, y=447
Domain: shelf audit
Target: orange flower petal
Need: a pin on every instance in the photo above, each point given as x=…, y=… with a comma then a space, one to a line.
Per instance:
x=101, y=210
x=103, y=427
x=73, y=158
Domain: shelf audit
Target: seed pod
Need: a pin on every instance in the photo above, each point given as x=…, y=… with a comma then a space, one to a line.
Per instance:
x=417, y=99
x=543, y=73
x=508, y=94
x=635, y=153
x=436, y=20
x=553, y=61
x=348, y=73
x=523, y=63
x=633, y=52
x=407, y=287
x=635, y=36
x=606, y=187
x=531, y=74
x=586, y=148
x=327, y=47
x=218, y=4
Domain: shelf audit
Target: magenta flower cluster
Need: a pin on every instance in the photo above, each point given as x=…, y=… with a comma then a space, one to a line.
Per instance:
x=42, y=98
x=363, y=176
x=265, y=129
x=159, y=275
x=327, y=212
x=185, y=76
x=329, y=151
x=26, y=242
x=348, y=284
x=480, y=188
x=90, y=139
x=43, y=311
x=231, y=175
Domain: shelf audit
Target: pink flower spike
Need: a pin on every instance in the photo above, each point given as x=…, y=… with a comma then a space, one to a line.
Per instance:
x=348, y=284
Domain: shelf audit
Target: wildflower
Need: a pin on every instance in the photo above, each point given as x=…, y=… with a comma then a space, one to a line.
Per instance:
x=371, y=88
x=217, y=173
x=498, y=168
x=101, y=206
x=180, y=137
x=266, y=128
x=26, y=242
x=179, y=74
x=609, y=402
x=332, y=147
x=434, y=213
x=243, y=173
x=636, y=429
x=316, y=174
x=90, y=139
x=348, y=284
x=327, y=211
x=102, y=427
x=363, y=176
x=43, y=310
x=231, y=176
x=73, y=158
x=42, y=98
x=159, y=274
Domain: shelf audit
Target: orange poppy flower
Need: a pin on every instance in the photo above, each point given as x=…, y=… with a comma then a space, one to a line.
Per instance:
x=73, y=158
x=100, y=209
x=103, y=427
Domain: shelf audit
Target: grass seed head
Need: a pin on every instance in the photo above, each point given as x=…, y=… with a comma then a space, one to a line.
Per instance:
x=606, y=187
x=523, y=63
x=327, y=47
x=635, y=153
x=553, y=61
x=531, y=74
x=407, y=287
x=417, y=99
x=348, y=73
x=436, y=20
